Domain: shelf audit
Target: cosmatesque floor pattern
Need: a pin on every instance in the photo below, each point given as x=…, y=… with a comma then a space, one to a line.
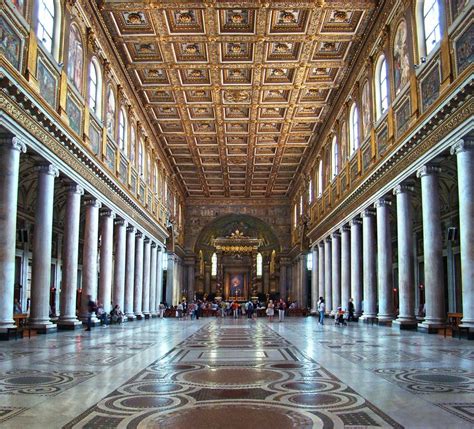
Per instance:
x=237, y=373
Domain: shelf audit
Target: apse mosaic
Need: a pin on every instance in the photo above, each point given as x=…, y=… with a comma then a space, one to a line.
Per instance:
x=233, y=59
x=224, y=372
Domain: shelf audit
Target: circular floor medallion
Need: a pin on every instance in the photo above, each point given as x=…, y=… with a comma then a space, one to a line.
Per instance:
x=232, y=376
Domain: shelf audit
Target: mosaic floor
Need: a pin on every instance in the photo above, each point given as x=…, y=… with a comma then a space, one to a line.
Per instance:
x=233, y=374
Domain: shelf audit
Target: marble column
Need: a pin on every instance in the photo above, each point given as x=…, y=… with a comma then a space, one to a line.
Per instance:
x=432, y=249
x=89, y=257
x=345, y=266
x=171, y=279
x=42, y=243
x=384, y=263
x=138, y=280
x=406, y=268
x=146, y=278
x=10, y=150
x=369, y=254
x=328, y=274
x=190, y=263
x=314, y=279
x=283, y=280
x=336, y=270
x=120, y=263
x=68, y=318
x=207, y=277
x=356, y=265
x=159, y=276
x=303, y=282
x=321, y=272
x=464, y=150
x=153, y=308
x=106, y=258
x=130, y=273
x=266, y=277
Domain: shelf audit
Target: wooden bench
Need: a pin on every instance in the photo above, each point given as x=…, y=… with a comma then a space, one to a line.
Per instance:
x=453, y=323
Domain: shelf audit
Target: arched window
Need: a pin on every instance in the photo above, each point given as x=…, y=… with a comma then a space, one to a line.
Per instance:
x=309, y=261
x=354, y=128
x=148, y=168
x=381, y=86
x=320, y=179
x=140, y=159
x=295, y=216
x=301, y=205
x=334, y=157
x=310, y=191
x=75, y=58
x=431, y=25
x=95, y=88
x=110, y=116
x=47, y=26
x=259, y=265
x=214, y=264
x=155, y=178
x=122, y=131
x=165, y=190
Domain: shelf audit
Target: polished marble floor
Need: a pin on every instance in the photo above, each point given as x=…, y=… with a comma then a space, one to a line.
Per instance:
x=237, y=373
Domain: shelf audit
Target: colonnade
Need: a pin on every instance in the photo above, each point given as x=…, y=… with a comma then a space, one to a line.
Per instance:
x=356, y=260
x=120, y=264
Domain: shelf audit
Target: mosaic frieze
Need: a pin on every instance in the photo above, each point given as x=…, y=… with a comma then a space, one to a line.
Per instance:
x=464, y=49
x=402, y=117
x=74, y=114
x=430, y=86
x=47, y=83
x=10, y=43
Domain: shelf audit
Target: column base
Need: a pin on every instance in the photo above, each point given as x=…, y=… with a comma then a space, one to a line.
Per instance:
x=147, y=316
x=44, y=328
x=131, y=317
x=153, y=315
x=139, y=316
x=384, y=320
x=430, y=327
x=405, y=324
x=69, y=325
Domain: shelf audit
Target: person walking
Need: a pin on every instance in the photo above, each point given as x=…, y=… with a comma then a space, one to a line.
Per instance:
x=351, y=310
x=321, y=309
x=235, y=309
x=281, y=310
x=91, y=308
x=270, y=310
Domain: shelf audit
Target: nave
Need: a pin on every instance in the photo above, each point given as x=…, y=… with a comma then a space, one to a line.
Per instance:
x=226, y=373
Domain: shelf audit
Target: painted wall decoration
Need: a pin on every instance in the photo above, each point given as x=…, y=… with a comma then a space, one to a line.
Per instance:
x=110, y=113
x=366, y=157
x=94, y=137
x=343, y=141
x=365, y=98
x=19, y=5
x=401, y=63
x=75, y=62
x=430, y=88
x=402, y=117
x=464, y=49
x=47, y=83
x=382, y=140
x=457, y=7
x=74, y=114
x=110, y=156
x=10, y=43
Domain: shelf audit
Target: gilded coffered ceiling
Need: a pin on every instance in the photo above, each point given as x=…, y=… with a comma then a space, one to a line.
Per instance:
x=237, y=90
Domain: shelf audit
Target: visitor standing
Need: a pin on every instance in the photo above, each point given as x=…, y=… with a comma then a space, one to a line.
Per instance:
x=91, y=308
x=270, y=310
x=351, y=309
x=281, y=310
x=321, y=309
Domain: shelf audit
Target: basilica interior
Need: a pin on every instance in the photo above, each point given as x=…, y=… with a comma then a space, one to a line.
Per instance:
x=162, y=160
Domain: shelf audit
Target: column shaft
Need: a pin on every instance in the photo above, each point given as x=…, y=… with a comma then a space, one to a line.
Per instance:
x=356, y=265
x=406, y=274
x=106, y=258
x=384, y=263
x=336, y=270
x=68, y=318
x=42, y=241
x=345, y=266
x=120, y=263
x=89, y=257
x=130, y=274
x=159, y=276
x=369, y=264
x=153, y=285
x=321, y=271
x=283, y=279
x=138, y=280
x=432, y=249
x=314, y=279
x=328, y=274
x=10, y=149
x=146, y=278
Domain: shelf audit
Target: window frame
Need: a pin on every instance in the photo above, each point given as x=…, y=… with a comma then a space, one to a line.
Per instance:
x=122, y=130
x=382, y=87
x=52, y=47
x=334, y=158
x=320, y=179
x=354, y=129
x=97, y=98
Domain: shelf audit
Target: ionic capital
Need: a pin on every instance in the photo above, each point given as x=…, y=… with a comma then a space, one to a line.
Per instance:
x=120, y=222
x=428, y=170
x=16, y=143
x=328, y=239
x=321, y=244
x=74, y=188
x=147, y=240
x=92, y=202
x=382, y=202
x=153, y=245
x=368, y=212
x=139, y=234
x=345, y=228
x=462, y=145
x=402, y=189
x=336, y=235
x=130, y=229
x=355, y=222
x=106, y=212
x=48, y=169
